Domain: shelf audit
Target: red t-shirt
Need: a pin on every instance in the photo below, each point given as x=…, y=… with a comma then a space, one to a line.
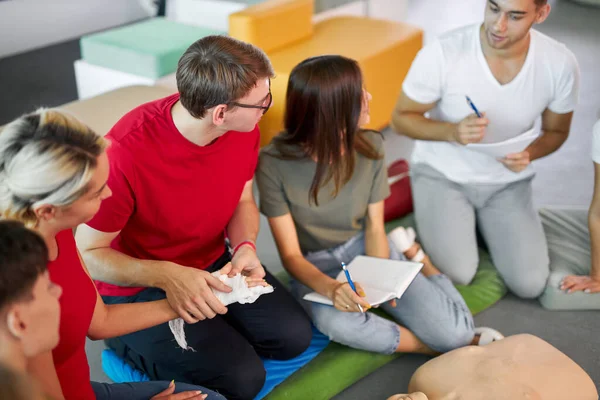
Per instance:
x=172, y=199
x=76, y=309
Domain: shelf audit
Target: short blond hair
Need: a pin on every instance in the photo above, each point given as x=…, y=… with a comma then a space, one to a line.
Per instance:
x=46, y=157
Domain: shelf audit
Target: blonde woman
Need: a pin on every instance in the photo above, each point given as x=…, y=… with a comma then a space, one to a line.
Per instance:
x=53, y=173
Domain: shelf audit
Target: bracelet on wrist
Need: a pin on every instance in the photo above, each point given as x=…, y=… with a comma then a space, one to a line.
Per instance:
x=244, y=243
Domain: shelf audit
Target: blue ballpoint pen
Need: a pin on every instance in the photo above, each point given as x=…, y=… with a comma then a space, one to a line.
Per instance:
x=473, y=106
x=349, y=279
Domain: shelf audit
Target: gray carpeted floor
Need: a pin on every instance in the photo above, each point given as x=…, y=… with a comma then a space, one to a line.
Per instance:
x=45, y=78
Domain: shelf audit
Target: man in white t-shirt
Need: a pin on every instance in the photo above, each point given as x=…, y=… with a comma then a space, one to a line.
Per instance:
x=513, y=75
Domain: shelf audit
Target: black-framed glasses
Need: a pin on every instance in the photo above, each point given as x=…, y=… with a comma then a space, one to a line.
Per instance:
x=264, y=108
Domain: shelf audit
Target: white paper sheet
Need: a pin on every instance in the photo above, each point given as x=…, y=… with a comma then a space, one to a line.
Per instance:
x=501, y=149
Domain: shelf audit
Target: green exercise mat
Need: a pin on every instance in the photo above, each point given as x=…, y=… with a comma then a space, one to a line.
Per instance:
x=337, y=367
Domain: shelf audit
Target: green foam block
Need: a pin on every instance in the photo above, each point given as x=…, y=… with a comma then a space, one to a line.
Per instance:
x=150, y=48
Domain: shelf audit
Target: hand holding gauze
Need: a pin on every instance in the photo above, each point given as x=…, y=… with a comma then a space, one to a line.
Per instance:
x=241, y=293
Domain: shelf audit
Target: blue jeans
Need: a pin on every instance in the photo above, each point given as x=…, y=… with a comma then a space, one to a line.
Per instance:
x=431, y=308
x=144, y=390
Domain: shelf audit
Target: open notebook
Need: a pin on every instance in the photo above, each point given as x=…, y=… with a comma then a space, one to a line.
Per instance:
x=382, y=279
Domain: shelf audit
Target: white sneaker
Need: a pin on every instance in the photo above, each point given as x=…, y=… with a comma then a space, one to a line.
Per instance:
x=487, y=335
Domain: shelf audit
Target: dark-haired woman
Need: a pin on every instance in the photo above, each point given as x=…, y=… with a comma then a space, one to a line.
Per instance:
x=322, y=184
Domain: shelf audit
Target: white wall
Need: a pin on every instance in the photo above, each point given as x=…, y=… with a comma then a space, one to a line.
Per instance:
x=29, y=24
x=212, y=14
x=393, y=10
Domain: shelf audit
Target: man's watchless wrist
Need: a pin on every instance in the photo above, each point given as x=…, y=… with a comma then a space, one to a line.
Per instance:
x=245, y=243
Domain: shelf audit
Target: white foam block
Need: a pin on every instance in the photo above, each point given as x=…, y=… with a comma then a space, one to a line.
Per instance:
x=206, y=13
x=93, y=80
x=391, y=10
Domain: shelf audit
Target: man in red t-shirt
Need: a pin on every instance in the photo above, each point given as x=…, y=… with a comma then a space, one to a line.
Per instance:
x=181, y=175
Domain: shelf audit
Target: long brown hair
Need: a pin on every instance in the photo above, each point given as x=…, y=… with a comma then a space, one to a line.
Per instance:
x=324, y=101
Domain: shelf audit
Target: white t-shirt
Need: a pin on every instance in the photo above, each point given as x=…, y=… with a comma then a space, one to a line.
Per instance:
x=454, y=66
x=596, y=143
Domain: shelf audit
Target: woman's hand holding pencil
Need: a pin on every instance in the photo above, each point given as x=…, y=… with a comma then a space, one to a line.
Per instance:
x=348, y=296
x=347, y=300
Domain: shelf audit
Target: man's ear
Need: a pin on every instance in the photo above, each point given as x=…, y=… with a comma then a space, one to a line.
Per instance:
x=45, y=212
x=14, y=323
x=542, y=13
x=218, y=114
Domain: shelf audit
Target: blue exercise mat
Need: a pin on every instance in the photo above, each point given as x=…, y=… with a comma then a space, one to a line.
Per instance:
x=119, y=371
x=278, y=371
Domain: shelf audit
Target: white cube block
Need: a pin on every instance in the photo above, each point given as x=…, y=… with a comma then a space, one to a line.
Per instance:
x=207, y=13
x=391, y=10
x=93, y=80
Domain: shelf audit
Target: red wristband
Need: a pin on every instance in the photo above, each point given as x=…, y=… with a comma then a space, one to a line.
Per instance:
x=244, y=243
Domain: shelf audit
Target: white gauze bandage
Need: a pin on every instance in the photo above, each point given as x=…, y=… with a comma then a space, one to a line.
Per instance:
x=240, y=293
x=403, y=239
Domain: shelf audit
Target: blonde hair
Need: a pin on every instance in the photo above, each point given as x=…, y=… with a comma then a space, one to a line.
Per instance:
x=46, y=157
